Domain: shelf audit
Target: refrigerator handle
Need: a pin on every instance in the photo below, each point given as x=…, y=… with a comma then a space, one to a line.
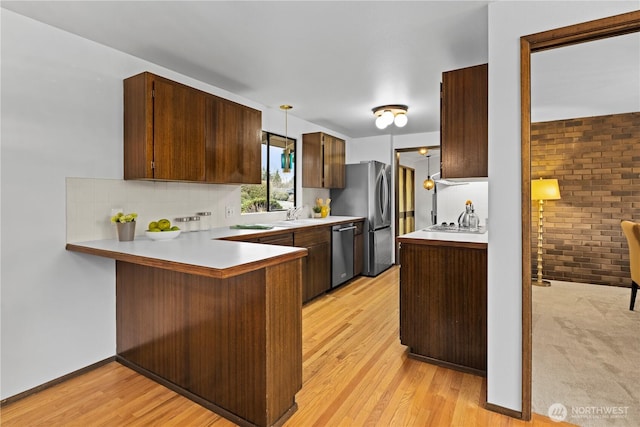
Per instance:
x=384, y=194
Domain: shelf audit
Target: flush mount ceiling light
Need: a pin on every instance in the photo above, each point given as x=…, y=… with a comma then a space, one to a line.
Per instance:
x=387, y=114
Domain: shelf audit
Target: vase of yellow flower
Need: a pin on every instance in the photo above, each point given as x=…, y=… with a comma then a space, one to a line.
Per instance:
x=126, y=226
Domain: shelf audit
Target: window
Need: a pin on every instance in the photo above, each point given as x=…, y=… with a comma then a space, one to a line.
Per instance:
x=277, y=191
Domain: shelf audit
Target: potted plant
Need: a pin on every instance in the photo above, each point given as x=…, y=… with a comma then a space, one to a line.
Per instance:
x=126, y=225
x=317, y=211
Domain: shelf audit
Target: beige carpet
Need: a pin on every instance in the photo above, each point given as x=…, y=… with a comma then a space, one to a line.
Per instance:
x=586, y=354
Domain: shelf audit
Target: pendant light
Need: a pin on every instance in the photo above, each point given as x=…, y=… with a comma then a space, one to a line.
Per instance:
x=286, y=158
x=429, y=183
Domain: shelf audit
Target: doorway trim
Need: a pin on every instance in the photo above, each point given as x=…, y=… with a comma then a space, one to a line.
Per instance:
x=580, y=33
x=396, y=194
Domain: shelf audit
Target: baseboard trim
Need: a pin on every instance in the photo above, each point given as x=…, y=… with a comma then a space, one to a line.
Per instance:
x=449, y=365
x=504, y=411
x=56, y=381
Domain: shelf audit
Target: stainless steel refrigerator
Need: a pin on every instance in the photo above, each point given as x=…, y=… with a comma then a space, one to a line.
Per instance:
x=367, y=193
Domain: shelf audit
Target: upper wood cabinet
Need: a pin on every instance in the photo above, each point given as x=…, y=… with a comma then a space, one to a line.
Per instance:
x=464, y=122
x=233, y=148
x=177, y=133
x=323, y=161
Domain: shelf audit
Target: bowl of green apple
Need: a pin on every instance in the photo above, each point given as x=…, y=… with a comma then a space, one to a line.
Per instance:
x=162, y=230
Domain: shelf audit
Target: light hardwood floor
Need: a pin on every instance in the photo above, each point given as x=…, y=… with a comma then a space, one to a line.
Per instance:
x=356, y=373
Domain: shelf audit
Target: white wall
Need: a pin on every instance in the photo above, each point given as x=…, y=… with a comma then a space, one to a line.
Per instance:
x=370, y=148
x=452, y=200
x=508, y=21
x=62, y=117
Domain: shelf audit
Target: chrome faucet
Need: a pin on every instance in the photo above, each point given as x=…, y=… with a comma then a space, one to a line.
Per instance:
x=292, y=213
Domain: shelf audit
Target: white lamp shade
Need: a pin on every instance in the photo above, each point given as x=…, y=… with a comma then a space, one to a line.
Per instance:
x=381, y=123
x=387, y=116
x=401, y=120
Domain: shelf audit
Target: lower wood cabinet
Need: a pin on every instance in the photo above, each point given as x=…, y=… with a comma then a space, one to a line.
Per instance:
x=443, y=304
x=316, y=267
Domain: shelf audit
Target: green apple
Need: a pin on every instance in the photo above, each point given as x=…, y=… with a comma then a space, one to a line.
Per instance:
x=164, y=224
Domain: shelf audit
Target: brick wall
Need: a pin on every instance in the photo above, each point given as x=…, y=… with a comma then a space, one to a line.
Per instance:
x=597, y=163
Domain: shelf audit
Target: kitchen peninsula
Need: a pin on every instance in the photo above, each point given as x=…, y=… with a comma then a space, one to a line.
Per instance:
x=218, y=321
x=443, y=298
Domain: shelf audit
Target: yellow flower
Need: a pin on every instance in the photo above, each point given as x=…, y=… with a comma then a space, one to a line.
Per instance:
x=120, y=217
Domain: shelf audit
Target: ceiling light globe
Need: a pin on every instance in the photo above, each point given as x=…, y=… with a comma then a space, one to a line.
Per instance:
x=381, y=123
x=401, y=120
x=387, y=116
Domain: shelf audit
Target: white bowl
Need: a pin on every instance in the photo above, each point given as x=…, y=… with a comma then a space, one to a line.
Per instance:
x=162, y=235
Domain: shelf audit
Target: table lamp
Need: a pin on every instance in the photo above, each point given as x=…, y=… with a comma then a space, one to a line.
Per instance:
x=541, y=190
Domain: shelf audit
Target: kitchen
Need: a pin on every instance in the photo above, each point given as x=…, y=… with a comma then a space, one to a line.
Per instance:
x=61, y=344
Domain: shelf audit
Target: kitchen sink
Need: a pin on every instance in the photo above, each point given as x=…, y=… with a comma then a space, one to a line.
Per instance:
x=296, y=222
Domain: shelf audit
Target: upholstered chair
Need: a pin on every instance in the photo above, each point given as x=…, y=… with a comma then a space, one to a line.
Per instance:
x=632, y=233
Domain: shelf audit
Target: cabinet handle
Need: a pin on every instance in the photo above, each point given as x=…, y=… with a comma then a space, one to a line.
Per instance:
x=340, y=230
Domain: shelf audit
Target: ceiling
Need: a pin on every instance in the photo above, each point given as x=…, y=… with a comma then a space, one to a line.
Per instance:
x=336, y=60
x=333, y=61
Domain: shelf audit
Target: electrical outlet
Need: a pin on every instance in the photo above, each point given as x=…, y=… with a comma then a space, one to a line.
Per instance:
x=229, y=211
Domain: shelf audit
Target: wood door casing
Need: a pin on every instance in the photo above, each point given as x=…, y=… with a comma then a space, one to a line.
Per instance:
x=406, y=200
x=573, y=34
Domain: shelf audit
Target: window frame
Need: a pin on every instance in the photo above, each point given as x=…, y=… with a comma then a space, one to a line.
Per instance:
x=267, y=136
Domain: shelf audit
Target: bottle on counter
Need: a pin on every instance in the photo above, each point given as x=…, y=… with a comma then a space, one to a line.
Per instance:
x=205, y=220
x=474, y=220
x=184, y=223
x=194, y=224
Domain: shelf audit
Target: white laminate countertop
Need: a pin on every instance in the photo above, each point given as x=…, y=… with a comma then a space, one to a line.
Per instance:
x=203, y=249
x=447, y=237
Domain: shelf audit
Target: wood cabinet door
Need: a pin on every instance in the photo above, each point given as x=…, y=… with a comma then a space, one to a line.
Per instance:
x=316, y=272
x=464, y=122
x=334, y=159
x=138, y=126
x=233, y=142
x=316, y=269
x=178, y=132
x=323, y=161
x=312, y=164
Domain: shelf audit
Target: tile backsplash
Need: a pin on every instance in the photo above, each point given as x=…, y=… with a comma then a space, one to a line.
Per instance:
x=90, y=201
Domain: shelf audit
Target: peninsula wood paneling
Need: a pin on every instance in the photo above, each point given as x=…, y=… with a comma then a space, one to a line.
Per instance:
x=235, y=342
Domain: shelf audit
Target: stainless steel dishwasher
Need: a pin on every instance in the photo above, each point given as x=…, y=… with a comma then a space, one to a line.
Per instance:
x=342, y=253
